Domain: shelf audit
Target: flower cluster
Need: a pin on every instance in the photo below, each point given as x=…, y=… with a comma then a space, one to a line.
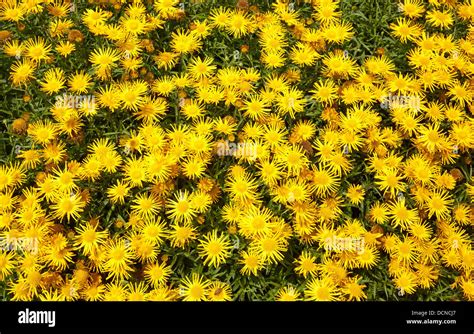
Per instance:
x=114, y=184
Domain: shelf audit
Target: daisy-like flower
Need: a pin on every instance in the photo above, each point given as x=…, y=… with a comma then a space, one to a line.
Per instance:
x=439, y=204
x=79, y=82
x=214, y=248
x=269, y=247
x=88, y=238
x=43, y=132
x=238, y=24
x=194, y=288
x=322, y=290
x=200, y=68
x=184, y=42
x=390, y=181
x=406, y=30
x=354, y=290
x=412, y=8
x=219, y=291
x=157, y=273
x=439, y=18
x=462, y=93
x=118, y=259
x=324, y=181
x=355, y=193
x=53, y=81
x=325, y=91
x=288, y=294
x=118, y=192
x=145, y=205
x=103, y=59
x=406, y=282
x=67, y=206
x=337, y=32
x=181, y=234
x=306, y=265
x=36, y=49
x=180, y=209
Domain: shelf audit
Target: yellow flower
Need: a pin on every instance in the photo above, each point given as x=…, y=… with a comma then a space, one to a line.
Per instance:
x=412, y=8
x=180, y=209
x=184, y=42
x=306, y=264
x=322, y=289
x=66, y=205
x=355, y=193
x=269, y=247
x=118, y=259
x=157, y=273
x=406, y=30
x=252, y=263
x=214, y=249
x=79, y=82
x=145, y=205
x=89, y=238
x=181, y=234
x=288, y=294
x=194, y=288
x=406, y=282
x=53, y=81
x=219, y=291
x=354, y=290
